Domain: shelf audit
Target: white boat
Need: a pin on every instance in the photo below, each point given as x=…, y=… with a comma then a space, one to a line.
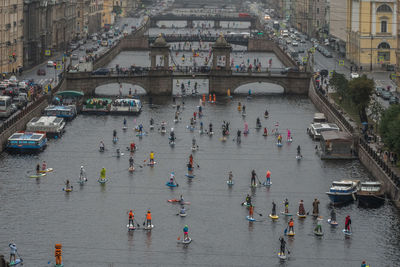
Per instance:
x=51, y=125
x=126, y=106
x=343, y=191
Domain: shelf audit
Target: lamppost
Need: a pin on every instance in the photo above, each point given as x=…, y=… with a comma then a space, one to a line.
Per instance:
x=370, y=66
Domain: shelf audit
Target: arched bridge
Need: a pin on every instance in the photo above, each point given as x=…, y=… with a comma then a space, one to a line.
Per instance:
x=173, y=38
x=160, y=82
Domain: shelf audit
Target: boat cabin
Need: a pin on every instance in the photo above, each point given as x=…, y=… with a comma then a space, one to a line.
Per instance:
x=67, y=112
x=336, y=145
x=316, y=129
x=319, y=118
x=126, y=106
x=27, y=142
x=51, y=125
x=97, y=106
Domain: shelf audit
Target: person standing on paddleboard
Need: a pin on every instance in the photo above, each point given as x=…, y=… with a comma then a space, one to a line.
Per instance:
x=132, y=147
x=210, y=129
x=13, y=252
x=333, y=215
x=82, y=174
x=273, y=213
x=301, y=208
x=315, y=207
x=148, y=218
x=131, y=162
x=268, y=176
x=230, y=177
x=253, y=178
x=291, y=225
x=185, y=232
x=286, y=205
x=151, y=157
x=101, y=146
x=131, y=217
x=124, y=122
x=38, y=168
x=67, y=185
x=347, y=223
x=298, y=150
x=283, y=245
x=251, y=212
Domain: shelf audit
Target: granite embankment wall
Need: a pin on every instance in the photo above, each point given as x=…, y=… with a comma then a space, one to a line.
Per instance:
x=367, y=155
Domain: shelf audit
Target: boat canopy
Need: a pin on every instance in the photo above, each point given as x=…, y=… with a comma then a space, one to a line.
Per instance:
x=70, y=93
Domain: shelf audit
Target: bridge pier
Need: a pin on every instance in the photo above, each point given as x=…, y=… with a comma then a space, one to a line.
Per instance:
x=217, y=24
x=160, y=82
x=189, y=23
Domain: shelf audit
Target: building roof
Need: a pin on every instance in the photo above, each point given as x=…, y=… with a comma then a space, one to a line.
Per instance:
x=221, y=42
x=335, y=135
x=160, y=42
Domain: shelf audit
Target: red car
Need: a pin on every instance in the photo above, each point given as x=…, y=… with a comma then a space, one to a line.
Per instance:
x=41, y=72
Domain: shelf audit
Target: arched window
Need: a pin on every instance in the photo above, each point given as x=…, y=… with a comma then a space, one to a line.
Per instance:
x=383, y=45
x=384, y=8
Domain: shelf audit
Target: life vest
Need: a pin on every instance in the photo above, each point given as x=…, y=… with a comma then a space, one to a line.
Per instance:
x=131, y=215
x=148, y=216
x=151, y=155
x=268, y=174
x=291, y=223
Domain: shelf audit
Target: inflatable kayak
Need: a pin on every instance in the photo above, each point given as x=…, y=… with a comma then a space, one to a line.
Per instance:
x=68, y=189
x=279, y=144
x=274, y=217
x=182, y=214
x=286, y=214
x=230, y=182
x=151, y=164
x=171, y=185
x=186, y=241
x=131, y=169
x=299, y=157
x=102, y=181
x=37, y=175
x=190, y=175
x=131, y=227
x=333, y=223
x=251, y=219
x=124, y=128
x=348, y=233
x=148, y=227
x=46, y=170
x=301, y=215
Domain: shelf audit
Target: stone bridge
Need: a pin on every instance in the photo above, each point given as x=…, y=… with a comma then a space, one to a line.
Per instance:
x=161, y=82
x=189, y=19
x=173, y=38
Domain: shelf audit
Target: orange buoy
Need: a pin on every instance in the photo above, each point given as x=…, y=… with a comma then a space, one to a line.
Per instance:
x=204, y=98
x=209, y=98
x=215, y=98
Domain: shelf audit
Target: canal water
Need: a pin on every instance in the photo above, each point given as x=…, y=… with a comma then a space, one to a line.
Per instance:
x=90, y=222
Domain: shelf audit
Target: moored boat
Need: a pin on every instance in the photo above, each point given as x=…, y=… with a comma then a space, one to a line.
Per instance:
x=126, y=106
x=97, y=106
x=27, y=141
x=343, y=191
x=371, y=194
x=66, y=112
x=53, y=126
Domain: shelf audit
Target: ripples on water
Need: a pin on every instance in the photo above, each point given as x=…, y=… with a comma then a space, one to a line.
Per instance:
x=90, y=221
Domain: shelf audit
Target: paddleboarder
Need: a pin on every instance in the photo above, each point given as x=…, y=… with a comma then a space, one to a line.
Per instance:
x=210, y=129
x=266, y=113
x=82, y=174
x=315, y=207
x=291, y=225
x=253, y=178
x=286, y=202
x=13, y=252
x=298, y=151
x=248, y=200
x=268, y=176
x=333, y=215
x=318, y=228
x=230, y=177
x=148, y=218
x=251, y=212
x=103, y=173
x=67, y=185
x=186, y=233
x=124, y=122
x=131, y=217
x=347, y=223
x=132, y=147
x=301, y=208
x=38, y=168
x=151, y=157
x=273, y=212
x=131, y=162
x=102, y=146
x=181, y=200
x=283, y=245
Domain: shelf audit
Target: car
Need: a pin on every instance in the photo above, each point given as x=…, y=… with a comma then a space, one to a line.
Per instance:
x=354, y=75
x=94, y=38
x=393, y=100
x=101, y=71
x=82, y=48
x=379, y=90
x=300, y=50
x=288, y=41
x=294, y=43
x=302, y=41
x=50, y=63
x=327, y=54
x=81, y=42
x=74, y=57
x=104, y=43
x=41, y=72
x=386, y=95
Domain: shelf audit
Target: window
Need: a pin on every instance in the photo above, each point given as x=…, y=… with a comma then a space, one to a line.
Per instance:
x=79, y=13
x=384, y=45
x=317, y=10
x=383, y=56
x=384, y=8
x=383, y=26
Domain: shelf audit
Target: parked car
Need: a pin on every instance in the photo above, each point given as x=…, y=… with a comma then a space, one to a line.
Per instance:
x=386, y=95
x=300, y=50
x=393, y=100
x=102, y=71
x=379, y=90
x=41, y=72
x=74, y=57
x=294, y=43
x=50, y=63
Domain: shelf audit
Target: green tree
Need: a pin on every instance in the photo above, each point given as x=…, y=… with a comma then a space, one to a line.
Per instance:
x=340, y=84
x=390, y=128
x=360, y=91
x=376, y=109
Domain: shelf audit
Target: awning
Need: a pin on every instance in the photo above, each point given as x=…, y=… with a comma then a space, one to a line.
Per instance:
x=70, y=93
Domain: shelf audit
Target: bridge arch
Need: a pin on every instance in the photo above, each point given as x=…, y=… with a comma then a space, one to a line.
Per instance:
x=113, y=89
x=259, y=87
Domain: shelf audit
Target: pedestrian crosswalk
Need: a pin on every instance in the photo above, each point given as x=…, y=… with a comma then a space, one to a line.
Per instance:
x=44, y=81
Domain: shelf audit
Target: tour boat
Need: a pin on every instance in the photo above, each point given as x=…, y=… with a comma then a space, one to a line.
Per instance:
x=343, y=191
x=27, y=142
x=66, y=112
x=126, y=106
x=97, y=106
x=52, y=125
x=371, y=194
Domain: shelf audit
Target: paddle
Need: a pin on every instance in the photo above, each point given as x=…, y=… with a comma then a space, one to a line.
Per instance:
x=288, y=251
x=19, y=257
x=179, y=237
x=258, y=180
x=285, y=231
x=258, y=213
x=176, y=182
x=138, y=225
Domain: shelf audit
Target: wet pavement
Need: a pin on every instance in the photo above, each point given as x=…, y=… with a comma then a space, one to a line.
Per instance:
x=90, y=222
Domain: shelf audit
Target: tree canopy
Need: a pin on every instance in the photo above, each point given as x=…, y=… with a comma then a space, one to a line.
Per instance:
x=360, y=91
x=390, y=128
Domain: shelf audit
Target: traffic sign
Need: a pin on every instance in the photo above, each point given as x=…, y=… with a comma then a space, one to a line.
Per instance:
x=341, y=62
x=305, y=59
x=59, y=66
x=47, y=52
x=312, y=49
x=331, y=73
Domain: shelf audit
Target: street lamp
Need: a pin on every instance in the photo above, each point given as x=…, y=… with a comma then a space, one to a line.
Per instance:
x=370, y=66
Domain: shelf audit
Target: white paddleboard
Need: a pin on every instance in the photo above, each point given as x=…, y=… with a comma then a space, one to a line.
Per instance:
x=149, y=227
x=131, y=227
x=187, y=241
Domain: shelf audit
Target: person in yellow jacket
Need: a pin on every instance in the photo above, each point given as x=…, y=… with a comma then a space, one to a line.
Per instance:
x=151, y=157
x=103, y=173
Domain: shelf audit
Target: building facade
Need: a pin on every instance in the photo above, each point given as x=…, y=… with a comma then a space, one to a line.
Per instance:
x=372, y=33
x=11, y=35
x=309, y=17
x=108, y=14
x=82, y=18
x=337, y=24
x=95, y=15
